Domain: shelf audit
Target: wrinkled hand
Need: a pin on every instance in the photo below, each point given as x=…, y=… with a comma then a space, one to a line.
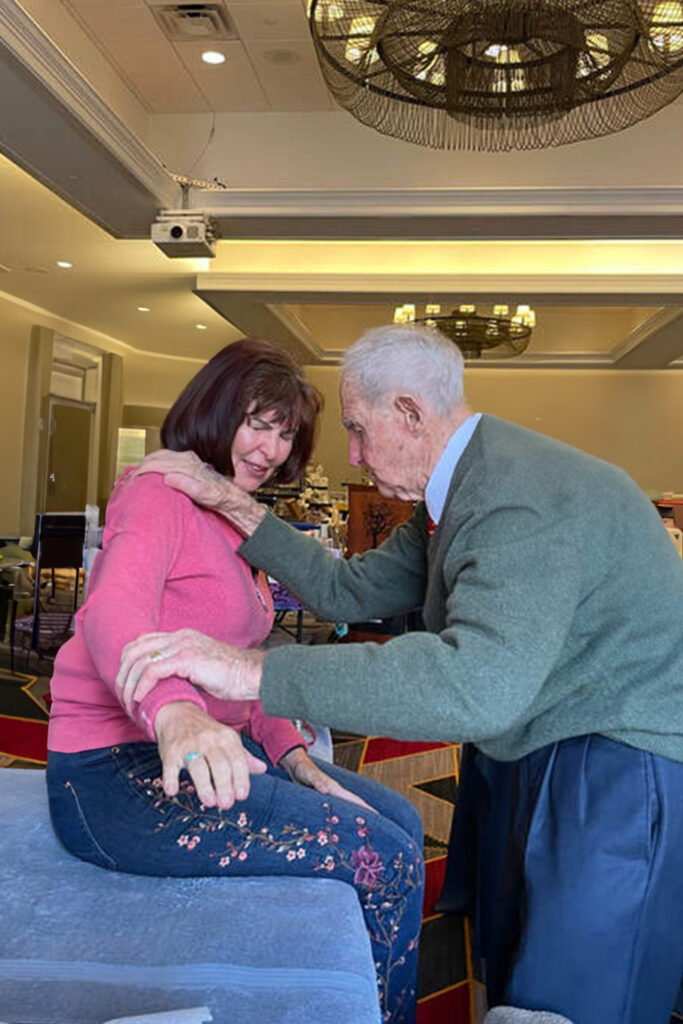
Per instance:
x=229, y=673
x=221, y=774
x=305, y=771
x=186, y=472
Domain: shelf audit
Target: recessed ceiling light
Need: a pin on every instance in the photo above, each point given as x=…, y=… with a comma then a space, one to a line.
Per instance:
x=143, y=309
x=213, y=57
x=64, y=264
x=201, y=327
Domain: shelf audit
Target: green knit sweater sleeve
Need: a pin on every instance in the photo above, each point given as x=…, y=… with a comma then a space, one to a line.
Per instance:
x=480, y=676
x=376, y=584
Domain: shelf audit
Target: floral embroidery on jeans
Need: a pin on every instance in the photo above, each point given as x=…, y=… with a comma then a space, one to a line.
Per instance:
x=383, y=890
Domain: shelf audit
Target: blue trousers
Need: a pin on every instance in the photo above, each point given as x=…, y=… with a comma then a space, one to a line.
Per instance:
x=570, y=861
x=108, y=807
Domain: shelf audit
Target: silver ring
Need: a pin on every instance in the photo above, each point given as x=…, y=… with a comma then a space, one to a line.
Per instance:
x=157, y=656
x=191, y=756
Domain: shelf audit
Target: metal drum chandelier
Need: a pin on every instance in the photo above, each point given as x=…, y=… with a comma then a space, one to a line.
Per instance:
x=499, y=74
x=495, y=335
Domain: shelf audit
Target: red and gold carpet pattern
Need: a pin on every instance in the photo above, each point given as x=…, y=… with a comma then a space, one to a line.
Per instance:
x=23, y=719
x=427, y=773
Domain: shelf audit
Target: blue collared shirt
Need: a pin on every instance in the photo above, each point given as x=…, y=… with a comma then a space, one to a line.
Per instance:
x=440, y=480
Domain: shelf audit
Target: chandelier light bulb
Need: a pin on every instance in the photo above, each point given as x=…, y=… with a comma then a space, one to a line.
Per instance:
x=404, y=314
x=666, y=28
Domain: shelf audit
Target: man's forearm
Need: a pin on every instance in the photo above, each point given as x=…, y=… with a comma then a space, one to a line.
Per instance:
x=240, y=509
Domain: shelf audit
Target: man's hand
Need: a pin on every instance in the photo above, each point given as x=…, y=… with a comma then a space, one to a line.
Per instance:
x=186, y=472
x=218, y=764
x=229, y=673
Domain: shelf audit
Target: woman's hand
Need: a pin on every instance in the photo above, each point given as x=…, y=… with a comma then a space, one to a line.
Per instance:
x=229, y=673
x=305, y=771
x=220, y=772
x=186, y=472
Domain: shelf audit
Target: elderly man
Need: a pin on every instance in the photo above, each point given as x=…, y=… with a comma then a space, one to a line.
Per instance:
x=553, y=606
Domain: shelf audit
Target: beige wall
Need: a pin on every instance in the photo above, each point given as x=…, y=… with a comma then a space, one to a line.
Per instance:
x=634, y=419
x=14, y=342
x=331, y=449
x=155, y=380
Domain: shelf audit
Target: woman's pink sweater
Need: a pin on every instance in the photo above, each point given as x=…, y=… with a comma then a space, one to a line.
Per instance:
x=165, y=565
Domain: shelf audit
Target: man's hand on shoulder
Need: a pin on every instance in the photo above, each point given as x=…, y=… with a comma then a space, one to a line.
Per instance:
x=185, y=472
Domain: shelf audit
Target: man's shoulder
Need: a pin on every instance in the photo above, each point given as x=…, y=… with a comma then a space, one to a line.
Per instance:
x=506, y=464
x=521, y=450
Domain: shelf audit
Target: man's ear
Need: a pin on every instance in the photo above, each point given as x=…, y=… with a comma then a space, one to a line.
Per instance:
x=412, y=413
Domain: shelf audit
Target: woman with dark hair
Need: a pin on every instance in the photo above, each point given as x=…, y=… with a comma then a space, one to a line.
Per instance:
x=187, y=784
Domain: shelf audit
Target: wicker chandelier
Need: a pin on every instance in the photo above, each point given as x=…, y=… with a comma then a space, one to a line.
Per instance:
x=495, y=335
x=499, y=74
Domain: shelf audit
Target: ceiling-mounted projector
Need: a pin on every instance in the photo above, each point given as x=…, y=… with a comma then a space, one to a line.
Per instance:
x=181, y=233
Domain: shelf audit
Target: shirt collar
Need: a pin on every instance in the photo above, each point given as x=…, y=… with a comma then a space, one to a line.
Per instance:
x=440, y=480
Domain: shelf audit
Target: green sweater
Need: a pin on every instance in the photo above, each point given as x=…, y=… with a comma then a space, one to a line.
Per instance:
x=552, y=599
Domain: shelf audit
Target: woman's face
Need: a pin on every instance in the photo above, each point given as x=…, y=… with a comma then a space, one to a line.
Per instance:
x=259, y=448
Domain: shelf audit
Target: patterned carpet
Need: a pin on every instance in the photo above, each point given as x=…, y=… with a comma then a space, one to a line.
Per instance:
x=426, y=773
x=23, y=719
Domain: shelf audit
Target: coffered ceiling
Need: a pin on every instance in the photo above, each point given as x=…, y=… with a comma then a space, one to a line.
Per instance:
x=326, y=225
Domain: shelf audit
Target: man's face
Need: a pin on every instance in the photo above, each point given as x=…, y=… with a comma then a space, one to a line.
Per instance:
x=380, y=441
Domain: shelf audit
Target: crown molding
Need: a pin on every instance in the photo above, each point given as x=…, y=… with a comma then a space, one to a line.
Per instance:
x=440, y=201
x=552, y=289
x=47, y=64
x=654, y=343
x=468, y=213
x=295, y=326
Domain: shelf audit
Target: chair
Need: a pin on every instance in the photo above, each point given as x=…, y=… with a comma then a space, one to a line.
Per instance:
x=57, y=544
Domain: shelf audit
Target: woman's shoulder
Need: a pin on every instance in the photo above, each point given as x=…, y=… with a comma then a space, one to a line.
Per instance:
x=145, y=494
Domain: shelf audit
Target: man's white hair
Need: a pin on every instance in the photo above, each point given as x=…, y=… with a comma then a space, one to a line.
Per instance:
x=407, y=359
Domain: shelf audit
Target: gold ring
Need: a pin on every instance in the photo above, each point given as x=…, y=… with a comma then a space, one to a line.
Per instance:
x=157, y=656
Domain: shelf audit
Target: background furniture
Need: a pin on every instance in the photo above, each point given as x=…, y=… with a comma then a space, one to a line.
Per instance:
x=370, y=521
x=372, y=517
x=57, y=544
x=672, y=507
x=82, y=945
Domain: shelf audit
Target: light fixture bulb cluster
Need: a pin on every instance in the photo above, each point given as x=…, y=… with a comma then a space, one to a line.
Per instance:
x=498, y=334
x=406, y=313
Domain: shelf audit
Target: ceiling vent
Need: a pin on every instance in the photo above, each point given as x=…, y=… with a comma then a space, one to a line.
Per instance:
x=187, y=23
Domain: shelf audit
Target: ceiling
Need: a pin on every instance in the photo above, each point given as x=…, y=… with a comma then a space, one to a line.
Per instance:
x=99, y=101
x=270, y=60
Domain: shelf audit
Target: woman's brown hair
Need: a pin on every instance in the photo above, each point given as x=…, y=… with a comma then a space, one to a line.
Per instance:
x=253, y=376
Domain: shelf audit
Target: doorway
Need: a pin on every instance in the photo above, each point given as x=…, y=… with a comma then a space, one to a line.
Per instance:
x=68, y=463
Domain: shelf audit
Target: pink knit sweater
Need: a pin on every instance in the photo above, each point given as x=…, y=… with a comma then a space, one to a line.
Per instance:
x=165, y=565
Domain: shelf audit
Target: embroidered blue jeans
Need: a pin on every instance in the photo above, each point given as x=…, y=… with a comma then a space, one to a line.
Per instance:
x=108, y=807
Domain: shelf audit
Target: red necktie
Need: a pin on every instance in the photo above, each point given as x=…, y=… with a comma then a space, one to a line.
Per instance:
x=431, y=526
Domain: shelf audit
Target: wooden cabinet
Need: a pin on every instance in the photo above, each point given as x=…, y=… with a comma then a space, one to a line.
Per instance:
x=372, y=517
